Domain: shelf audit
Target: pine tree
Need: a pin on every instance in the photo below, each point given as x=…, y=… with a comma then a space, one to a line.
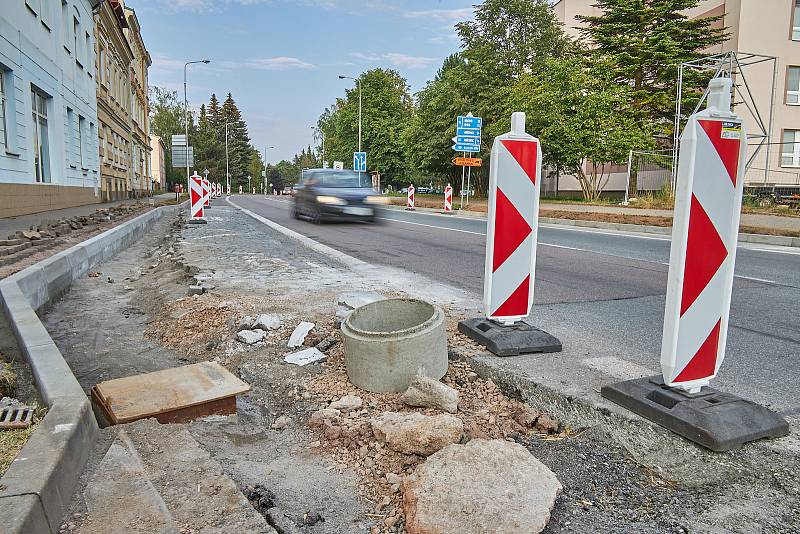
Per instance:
x=239, y=149
x=641, y=43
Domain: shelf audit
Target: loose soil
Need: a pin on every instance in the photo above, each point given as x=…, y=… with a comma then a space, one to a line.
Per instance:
x=335, y=477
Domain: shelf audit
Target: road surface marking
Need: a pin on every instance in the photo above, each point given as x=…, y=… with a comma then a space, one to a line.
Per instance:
x=434, y=226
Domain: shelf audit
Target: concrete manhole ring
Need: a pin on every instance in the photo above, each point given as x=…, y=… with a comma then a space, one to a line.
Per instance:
x=386, y=343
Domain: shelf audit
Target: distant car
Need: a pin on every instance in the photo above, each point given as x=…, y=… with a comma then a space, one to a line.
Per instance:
x=327, y=194
x=288, y=190
x=422, y=190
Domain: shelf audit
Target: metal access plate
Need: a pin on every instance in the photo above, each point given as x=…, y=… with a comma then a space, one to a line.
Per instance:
x=714, y=419
x=513, y=340
x=172, y=395
x=12, y=417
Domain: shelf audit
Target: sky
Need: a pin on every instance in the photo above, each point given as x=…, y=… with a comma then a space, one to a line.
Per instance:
x=281, y=58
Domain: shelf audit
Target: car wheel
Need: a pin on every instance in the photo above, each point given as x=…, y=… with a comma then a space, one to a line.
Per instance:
x=295, y=213
x=316, y=216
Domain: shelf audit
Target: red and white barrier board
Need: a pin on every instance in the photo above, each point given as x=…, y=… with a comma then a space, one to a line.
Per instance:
x=196, y=197
x=708, y=201
x=410, y=198
x=448, y=199
x=206, y=192
x=512, y=224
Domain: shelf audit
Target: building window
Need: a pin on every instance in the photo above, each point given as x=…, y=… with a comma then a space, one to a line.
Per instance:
x=88, y=49
x=790, y=153
x=82, y=148
x=3, y=113
x=796, y=21
x=65, y=24
x=76, y=32
x=70, y=137
x=41, y=140
x=793, y=85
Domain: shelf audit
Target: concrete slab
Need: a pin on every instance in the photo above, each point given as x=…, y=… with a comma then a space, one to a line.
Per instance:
x=23, y=514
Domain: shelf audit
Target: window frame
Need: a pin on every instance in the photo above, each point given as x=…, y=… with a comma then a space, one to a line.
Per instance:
x=41, y=149
x=794, y=28
x=795, y=153
x=3, y=112
x=794, y=91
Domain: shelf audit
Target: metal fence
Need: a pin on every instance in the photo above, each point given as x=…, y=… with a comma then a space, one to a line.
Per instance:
x=771, y=164
x=648, y=172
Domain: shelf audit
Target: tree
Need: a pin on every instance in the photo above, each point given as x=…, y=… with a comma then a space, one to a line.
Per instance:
x=239, y=149
x=580, y=116
x=167, y=119
x=209, y=153
x=641, y=43
x=386, y=107
x=254, y=168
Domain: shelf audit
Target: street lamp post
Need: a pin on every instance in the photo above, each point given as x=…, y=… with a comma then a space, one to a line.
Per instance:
x=186, y=111
x=358, y=81
x=227, y=169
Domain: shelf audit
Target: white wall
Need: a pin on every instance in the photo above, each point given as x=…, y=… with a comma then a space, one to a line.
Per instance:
x=37, y=55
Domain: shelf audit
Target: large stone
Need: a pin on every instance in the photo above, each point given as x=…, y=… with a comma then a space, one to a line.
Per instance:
x=415, y=433
x=299, y=334
x=250, y=337
x=483, y=486
x=429, y=393
x=267, y=322
x=306, y=357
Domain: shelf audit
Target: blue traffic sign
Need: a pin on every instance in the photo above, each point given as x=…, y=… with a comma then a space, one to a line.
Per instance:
x=473, y=132
x=469, y=122
x=360, y=161
x=459, y=147
x=464, y=140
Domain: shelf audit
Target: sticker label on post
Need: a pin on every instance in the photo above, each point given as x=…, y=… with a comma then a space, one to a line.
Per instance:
x=511, y=239
x=708, y=202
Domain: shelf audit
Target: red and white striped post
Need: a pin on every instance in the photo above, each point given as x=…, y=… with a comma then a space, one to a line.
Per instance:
x=410, y=198
x=708, y=202
x=448, y=199
x=196, y=197
x=206, y=193
x=512, y=233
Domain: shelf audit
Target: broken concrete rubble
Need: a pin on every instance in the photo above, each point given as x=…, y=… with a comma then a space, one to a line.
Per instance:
x=250, y=337
x=483, y=486
x=299, y=334
x=415, y=433
x=347, y=404
x=305, y=356
x=429, y=393
x=267, y=322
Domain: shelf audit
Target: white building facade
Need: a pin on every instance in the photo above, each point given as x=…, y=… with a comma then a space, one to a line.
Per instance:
x=48, y=106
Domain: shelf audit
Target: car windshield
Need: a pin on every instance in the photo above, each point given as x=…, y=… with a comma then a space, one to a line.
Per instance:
x=341, y=179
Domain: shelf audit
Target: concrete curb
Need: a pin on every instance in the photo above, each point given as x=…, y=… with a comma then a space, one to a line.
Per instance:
x=37, y=488
x=762, y=239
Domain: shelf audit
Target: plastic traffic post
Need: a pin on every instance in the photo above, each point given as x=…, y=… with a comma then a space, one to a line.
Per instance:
x=448, y=199
x=206, y=193
x=708, y=201
x=196, y=212
x=410, y=198
x=512, y=224
x=511, y=238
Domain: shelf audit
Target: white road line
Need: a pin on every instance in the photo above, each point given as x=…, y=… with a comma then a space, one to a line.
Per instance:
x=433, y=226
x=754, y=279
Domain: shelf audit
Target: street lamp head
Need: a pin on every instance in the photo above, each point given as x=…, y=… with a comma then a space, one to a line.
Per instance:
x=342, y=77
x=206, y=61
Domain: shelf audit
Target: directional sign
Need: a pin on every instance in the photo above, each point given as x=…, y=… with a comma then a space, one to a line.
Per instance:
x=470, y=132
x=458, y=147
x=468, y=162
x=469, y=122
x=467, y=140
x=360, y=161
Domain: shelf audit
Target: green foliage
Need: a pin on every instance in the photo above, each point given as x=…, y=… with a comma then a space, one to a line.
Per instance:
x=641, y=43
x=386, y=104
x=167, y=119
x=581, y=119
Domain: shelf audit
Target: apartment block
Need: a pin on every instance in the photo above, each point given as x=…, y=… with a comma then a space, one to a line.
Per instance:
x=48, y=106
x=764, y=27
x=157, y=163
x=140, y=126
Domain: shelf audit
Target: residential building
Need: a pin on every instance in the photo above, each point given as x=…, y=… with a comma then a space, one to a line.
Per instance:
x=140, y=122
x=763, y=27
x=157, y=163
x=114, y=58
x=48, y=106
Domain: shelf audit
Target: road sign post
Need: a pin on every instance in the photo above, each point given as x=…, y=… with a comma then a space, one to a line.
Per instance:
x=360, y=161
x=410, y=198
x=196, y=197
x=467, y=141
x=511, y=240
x=708, y=202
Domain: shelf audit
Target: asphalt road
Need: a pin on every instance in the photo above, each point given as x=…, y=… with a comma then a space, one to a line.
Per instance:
x=601, y=292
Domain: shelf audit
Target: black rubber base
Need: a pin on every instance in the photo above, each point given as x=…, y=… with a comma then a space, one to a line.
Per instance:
x=513, y=340
x=198, y=221
x=716, y=420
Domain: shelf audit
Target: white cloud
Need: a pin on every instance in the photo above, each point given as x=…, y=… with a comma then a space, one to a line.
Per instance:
x=277, y=63
x=450, y=16
x=397, y=59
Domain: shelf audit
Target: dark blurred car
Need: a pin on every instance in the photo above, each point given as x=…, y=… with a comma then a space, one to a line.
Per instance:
x=327, y=194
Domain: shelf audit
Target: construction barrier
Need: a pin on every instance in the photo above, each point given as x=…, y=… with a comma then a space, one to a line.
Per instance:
x=196, y=197
x=410, y=198
x=206, y=192
x=708, y=202
x=511, y=238
x=448, y=199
